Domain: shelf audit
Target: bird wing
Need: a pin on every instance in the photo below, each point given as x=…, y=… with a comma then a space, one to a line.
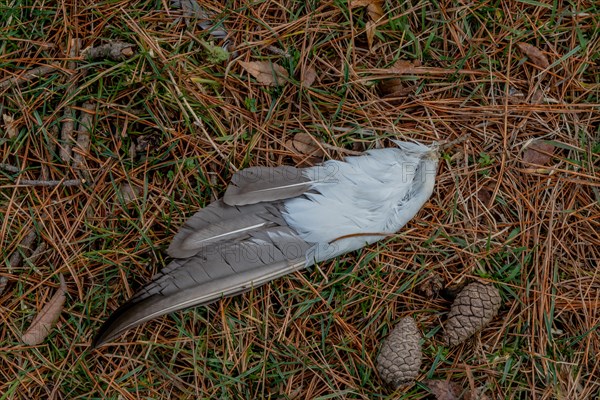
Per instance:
x=259, y=184
x=223, y=250
x=218, y=270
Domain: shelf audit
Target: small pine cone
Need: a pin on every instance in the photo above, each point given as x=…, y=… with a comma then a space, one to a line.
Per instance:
x=399, y=360
x=473, y=308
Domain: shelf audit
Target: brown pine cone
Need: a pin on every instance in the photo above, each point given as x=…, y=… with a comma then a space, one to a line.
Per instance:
x=399, y=360
x=473, y=308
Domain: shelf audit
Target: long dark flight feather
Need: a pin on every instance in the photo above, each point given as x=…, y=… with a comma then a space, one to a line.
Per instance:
x=219, y=269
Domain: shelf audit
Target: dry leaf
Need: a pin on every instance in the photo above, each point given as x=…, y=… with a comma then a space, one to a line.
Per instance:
x=374, y=7
x=534, y=54
x=47, y=317
x=375, y=10
x=360, y=3
x=305, y=144
x=395, y=88
x=370, y=28
x=537, y=97
x=305, y=148
x=189, y=8
x=266, y=72
x=309, y=76
x=443, y=390
x=405, y=67
x=538, y=152
x=485, y=195
x=10, y=126
x=26, y=246
x=130, y=193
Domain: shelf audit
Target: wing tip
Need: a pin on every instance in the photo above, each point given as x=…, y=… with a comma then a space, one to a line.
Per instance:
x=116, y=324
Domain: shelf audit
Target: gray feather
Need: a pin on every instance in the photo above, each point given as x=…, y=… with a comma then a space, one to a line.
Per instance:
x=218, y=269
x=219, y=222
x=261, y=184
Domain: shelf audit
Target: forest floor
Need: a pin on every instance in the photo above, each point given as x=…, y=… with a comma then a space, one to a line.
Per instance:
x=106, y=151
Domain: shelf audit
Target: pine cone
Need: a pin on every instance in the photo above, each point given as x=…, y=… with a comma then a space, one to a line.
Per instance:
x=473, y=308
x=399, y=360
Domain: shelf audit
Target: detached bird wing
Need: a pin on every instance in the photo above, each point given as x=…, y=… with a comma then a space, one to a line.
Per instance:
x=223, y=250
x=260, y=184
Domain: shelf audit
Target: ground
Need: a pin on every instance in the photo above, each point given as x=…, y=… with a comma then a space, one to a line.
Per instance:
x=144, y=137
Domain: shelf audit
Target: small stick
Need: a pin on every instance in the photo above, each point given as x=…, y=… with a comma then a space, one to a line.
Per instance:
x=33, y=73
x=25, y=244
x=66, y=134
x=444, y=144
x=116, y=51
x=9, y=168
x=37, y=253
x=35, y=182
x=3, y=283
x=278, y=51
x=83, y=135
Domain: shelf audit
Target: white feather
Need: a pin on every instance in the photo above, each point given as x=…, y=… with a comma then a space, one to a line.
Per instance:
x=378, y=192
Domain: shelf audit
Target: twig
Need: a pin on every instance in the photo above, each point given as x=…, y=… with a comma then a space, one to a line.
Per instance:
x=278, y=51
x=25, y=245
x=37, y=253
x=443, y=145
x=33, y=73
x=35, y=182
x=3, y=283
x=9, y=168
x=66, y=134
x=83, y=136
x=116, y=51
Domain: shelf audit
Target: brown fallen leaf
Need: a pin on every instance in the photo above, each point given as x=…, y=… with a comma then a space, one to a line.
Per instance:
x=10, y=127
x=129, y=192
x=443, y=390
x=403, y=67
x=309, y=76
x=306, y=144
x=370, y=28
x=26, y=246
x=537, y=97
x=374, y=7
x=395, y=88
x=375, y=10
x=266, y=72
x=485, y=195
x=360, y=3
x=47, y=317
x=538, y=152
x=534, y=54
x=305, y=149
